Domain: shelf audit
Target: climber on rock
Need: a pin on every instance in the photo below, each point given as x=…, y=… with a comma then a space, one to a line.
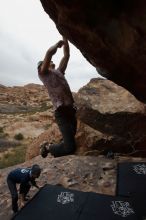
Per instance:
x=26, y=178
x=62, y=99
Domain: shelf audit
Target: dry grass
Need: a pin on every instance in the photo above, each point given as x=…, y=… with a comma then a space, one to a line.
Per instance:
x=13, y=157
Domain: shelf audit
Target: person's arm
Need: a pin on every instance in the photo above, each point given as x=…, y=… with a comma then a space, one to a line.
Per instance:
x=50, y=52
x=33, y=182
x=65, y=59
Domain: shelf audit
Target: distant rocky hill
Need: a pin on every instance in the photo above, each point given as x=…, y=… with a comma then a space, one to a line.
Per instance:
x=20, y=99
x=25, y=113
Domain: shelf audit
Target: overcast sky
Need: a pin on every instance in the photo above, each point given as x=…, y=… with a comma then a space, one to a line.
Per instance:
x=26, y=32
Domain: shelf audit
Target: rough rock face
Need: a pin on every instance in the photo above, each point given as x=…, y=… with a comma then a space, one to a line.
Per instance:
x=87, y=139
x=110, y=34
x=52, y=135
x=115, y=113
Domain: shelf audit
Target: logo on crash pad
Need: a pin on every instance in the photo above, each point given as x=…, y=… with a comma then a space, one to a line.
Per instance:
x=122, y=208
x=140, y=169
x=65, y=198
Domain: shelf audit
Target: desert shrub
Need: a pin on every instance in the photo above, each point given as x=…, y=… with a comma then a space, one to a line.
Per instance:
x=5, y=144
x=19, y=136
x=2, y=134
x=6, y=135
x=1, y=130
x=6, y=155
x=16, y=156
x=46, y=126
x=44, y=106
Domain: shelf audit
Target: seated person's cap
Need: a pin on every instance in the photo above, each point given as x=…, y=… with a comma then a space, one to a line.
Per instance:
x=36, y=170
x=39, y=63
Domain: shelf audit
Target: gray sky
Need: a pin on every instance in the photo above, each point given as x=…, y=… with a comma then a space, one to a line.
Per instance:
x=26, y=32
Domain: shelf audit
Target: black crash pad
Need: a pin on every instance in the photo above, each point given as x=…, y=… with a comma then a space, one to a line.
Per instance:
x=59, y=203
x=104, y=207
x=131, y=178
x=139, y=204
x=131, y=182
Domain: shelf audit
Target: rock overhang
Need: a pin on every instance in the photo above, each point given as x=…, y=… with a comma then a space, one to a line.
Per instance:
x=111, y=35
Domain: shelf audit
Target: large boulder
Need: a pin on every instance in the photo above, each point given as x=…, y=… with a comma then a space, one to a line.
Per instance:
x=116, y=114
x=110, y=34
x=52, y=135
x=109, y=118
